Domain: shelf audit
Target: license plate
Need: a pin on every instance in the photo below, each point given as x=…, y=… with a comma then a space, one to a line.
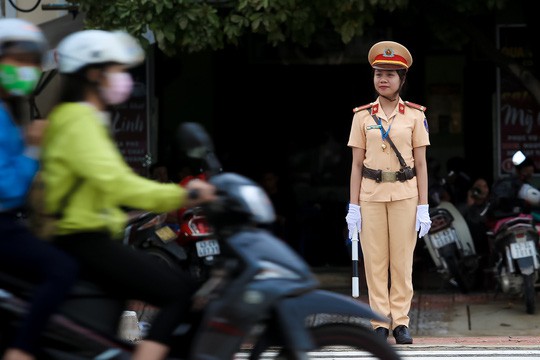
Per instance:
x=165, y=233
x=522, y=249
x=442, y=238
x=207, y=248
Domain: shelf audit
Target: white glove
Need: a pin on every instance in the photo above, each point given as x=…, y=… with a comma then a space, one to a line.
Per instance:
x=423, y=222
x=354, y=219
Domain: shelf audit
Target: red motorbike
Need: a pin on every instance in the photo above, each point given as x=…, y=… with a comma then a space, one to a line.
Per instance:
x=196, y=237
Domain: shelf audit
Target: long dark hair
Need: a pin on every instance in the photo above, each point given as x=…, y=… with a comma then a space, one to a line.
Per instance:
x=76, y=85
x=402, y=73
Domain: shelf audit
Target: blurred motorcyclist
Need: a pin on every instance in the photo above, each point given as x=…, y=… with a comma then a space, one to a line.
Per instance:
x=22, y=46
x=514, y=194
x=81, y=159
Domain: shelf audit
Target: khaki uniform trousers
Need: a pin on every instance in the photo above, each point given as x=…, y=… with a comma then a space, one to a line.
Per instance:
x=388, y=238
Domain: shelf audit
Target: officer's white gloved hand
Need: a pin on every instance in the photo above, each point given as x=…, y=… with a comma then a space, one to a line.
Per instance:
x=354, y=219
x=423, y=221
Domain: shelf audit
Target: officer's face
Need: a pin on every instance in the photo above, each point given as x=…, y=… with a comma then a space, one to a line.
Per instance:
x=386, y=82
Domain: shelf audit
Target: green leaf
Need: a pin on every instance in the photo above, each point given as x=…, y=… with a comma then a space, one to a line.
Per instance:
x=183, y=23
x=160, y=37
x=236, y=19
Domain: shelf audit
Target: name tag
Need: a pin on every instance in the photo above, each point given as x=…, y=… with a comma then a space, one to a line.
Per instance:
x=370, y=127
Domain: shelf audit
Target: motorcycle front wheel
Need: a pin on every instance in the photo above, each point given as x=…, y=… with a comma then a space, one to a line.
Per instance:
x=356, y=341
x=456, y=270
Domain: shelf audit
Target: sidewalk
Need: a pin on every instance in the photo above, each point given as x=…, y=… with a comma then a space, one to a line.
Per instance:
x=443, y=317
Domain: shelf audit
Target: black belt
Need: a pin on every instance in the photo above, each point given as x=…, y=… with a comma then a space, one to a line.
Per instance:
x=387, y=176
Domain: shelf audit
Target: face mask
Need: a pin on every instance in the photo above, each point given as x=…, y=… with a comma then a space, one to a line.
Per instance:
x=118, y=89
x=19, y=80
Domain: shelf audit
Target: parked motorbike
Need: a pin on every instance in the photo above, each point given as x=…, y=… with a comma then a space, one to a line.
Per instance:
x=451, y=247
x=514, y=237
x=515, y=242
x=261, y=295
x=187, y=245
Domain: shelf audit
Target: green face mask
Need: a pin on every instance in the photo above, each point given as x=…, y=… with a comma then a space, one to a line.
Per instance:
x=19, y=80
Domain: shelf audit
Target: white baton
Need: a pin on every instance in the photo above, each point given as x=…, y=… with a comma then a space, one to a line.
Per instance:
x=355, y=283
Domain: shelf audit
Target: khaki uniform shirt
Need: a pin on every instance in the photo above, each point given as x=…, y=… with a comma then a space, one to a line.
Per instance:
x=408, y=130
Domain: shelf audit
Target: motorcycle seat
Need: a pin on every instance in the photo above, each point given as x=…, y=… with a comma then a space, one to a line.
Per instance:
x=140, y=217
x=508, y=223
x=440, y=219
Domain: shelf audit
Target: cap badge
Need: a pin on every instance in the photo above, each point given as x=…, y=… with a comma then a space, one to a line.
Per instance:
x=388, y=52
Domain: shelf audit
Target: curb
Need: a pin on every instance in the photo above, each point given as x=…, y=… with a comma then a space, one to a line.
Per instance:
x=470, y=342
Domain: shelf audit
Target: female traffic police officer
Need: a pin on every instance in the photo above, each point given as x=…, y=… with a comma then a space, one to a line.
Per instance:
x=392, y=195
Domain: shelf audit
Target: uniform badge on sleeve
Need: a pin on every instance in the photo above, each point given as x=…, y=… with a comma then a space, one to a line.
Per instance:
x=426, y=125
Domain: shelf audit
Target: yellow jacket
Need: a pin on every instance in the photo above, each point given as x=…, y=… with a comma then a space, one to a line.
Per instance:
x=81, y=157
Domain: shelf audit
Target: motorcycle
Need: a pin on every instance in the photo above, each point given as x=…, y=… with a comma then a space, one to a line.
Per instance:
x=196, y=237
x=450, y=244
x=515, y=241
x=187, y=245
x=149, y=232
x=261, y=296
x=514, y=235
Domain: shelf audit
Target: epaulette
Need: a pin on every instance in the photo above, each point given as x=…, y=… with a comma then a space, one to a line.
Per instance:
x=363, y=107
x=415, y=106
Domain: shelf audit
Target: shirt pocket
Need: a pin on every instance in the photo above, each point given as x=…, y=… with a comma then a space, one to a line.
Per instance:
x=368, y=186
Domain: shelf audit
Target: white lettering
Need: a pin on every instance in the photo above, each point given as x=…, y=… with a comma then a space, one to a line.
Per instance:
x=127, y=125
x=514, y=116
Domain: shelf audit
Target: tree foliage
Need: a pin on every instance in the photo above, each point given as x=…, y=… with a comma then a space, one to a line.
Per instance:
x=197, y=25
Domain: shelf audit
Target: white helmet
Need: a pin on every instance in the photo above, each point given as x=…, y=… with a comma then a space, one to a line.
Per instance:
x=90, y=47
x=22, y=35
x=518, y=158
x=529, y=194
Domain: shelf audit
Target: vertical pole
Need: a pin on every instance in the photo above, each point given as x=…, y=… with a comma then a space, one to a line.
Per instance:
x=354, y=248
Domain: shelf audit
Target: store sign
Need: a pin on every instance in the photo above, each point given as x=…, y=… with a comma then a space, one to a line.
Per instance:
x=518, y=111
x=130, y=124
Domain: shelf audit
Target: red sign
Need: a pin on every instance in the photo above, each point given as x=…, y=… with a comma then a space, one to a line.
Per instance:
x=519, y=113
x=130, y=128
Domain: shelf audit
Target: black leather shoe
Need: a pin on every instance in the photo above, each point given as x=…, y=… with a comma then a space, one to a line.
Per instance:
x=402, y=335
x=382, y=332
